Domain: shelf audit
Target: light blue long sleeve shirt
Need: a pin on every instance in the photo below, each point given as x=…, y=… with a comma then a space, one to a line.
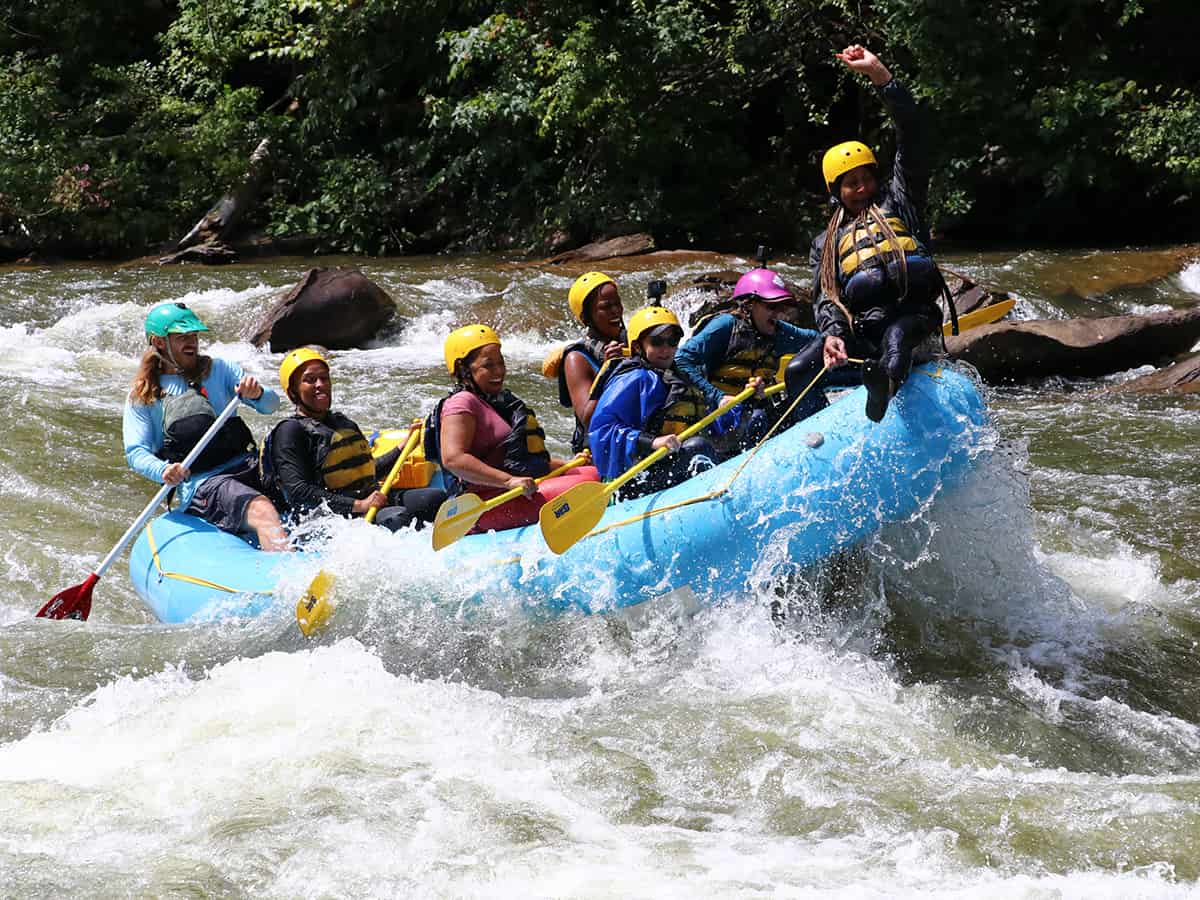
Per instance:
x=142, y=425
x=703, y=353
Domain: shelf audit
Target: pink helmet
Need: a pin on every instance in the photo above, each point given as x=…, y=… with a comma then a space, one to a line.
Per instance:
x=762, y=284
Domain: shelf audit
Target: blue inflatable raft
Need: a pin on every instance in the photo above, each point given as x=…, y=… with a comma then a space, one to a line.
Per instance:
x=825, y=485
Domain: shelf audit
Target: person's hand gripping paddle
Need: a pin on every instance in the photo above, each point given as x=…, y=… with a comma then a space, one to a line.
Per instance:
x=76, y=602
x=458, y=515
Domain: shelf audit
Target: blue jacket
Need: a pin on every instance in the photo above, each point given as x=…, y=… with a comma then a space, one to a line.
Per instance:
x=616, y=436
x=142, y=425
x=705, y=350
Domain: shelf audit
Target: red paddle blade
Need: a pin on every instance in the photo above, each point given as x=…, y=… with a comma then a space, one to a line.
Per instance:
x=73, y=603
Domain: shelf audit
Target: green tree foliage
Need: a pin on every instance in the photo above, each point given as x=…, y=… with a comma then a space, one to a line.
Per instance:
x=1057, y=113
x=423, y=124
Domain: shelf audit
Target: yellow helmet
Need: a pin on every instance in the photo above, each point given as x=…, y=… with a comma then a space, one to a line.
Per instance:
x=580, y=290
x=650, y=317
x=841, y=158
x=292, y=363
x=462, y=341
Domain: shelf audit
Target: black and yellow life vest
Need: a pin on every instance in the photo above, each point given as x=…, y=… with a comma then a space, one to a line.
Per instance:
x=346, y=464
x=861, y=240
x=524, y=447
x=186, y=417
x=749, y=355
x=685, y=404
x=593, y=349
x=342, y=457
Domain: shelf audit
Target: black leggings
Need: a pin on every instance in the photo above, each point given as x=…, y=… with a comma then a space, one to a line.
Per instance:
x=693, y=456
x=891, y=337
x=892, y=342
x=418, y=505
x=801, y=371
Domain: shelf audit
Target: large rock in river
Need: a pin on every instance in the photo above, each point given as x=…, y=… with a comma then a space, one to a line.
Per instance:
x=625, y=245
x=1181, y=378
x=336, y=308
x=1016, y=351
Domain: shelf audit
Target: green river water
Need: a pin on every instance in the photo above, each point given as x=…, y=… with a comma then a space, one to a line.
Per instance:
x=1024, y=725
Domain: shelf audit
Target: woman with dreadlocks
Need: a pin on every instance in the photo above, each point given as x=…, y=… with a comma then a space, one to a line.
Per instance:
x=875, y=284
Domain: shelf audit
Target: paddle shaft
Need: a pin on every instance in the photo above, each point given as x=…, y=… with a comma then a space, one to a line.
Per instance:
x=985, y=315
x=513, y=493
x=410, y=444
x=141, y=520
x=695, y=428
x=658, y=454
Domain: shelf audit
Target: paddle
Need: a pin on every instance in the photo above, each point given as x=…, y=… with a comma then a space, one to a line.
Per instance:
x=314, y=609
x=571, y=515
x=985, y=316
x=458, y=515
x=76, y=602
x=410, y=444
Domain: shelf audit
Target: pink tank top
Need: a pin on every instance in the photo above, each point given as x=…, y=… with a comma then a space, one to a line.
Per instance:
x=490, y=428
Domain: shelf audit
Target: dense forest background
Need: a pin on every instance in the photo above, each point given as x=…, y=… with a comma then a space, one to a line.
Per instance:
x=424, y=125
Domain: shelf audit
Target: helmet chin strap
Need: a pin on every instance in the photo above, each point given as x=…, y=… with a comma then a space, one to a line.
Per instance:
x=294, y=396
x=170, y=357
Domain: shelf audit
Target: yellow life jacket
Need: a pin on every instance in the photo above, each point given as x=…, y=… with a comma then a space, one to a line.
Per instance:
x=749, y=355
x=685, y=406
x=348, y=467
x=859, y=241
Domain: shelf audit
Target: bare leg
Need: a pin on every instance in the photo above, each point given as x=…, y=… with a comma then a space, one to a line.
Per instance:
x=262, y=517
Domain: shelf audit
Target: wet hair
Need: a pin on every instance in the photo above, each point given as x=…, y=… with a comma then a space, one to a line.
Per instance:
x=147, y=386
x=889, y=248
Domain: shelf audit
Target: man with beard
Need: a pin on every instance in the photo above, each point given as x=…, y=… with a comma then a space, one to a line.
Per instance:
x=175, y=397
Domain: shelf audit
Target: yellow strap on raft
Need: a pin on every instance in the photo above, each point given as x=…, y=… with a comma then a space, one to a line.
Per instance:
x=178, y=576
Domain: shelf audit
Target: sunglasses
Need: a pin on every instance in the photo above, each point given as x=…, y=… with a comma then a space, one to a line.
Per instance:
x=663, y=341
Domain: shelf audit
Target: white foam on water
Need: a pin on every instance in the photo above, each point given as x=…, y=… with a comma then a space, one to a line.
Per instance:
x=212, y=301
x=457, y=290
x=105, y=333
x=1106, y=570
x=1145, y=309
x=318, y=773
x=1189, y=278
x=25, y=357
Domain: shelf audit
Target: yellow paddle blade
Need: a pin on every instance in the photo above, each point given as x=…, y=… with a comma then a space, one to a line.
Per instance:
x=315, y=608
x=985, y=316
x=455, y=518
x=571, y=515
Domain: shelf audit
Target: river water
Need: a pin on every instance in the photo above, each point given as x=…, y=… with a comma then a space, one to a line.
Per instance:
x=1001, y=700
